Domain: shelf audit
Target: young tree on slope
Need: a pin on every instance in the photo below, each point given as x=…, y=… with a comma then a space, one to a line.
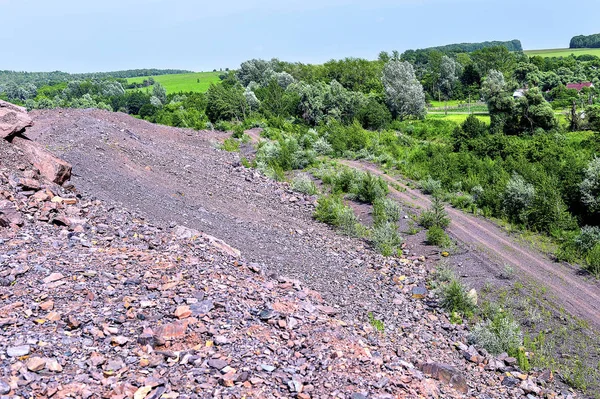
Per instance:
x=403, y=92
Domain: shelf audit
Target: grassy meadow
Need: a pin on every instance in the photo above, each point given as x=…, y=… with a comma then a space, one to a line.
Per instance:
x=185, y=82
x=563, y=52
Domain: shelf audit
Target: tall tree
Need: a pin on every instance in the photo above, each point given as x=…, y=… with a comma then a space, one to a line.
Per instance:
x=403, y=92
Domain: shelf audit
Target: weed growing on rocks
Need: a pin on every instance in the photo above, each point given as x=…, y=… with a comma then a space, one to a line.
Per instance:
x=331, y=210
x=500, y=334
x=386, y=239
x=304, y=184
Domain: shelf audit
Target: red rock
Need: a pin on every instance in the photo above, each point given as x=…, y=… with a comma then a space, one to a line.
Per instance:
x=446, y=374
x=183, y=312
x=13, y=119
x=54, y=169
x=171, y=330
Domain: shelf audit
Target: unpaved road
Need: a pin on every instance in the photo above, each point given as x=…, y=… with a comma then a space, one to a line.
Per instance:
x=578, y=296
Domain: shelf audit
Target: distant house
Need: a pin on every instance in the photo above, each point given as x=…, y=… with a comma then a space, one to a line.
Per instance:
x=579, y=86
x=519, y=93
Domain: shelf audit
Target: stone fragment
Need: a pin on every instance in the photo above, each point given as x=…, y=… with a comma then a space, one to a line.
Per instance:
x=183, y=312
x=18, y=351
x=36, y=364
x=13, y=119
x=446, y=374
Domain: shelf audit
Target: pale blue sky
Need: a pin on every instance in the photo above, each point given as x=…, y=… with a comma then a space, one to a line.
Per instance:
x=105, y=35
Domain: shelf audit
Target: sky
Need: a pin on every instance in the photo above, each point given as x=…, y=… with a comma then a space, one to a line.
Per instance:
x=109, y=35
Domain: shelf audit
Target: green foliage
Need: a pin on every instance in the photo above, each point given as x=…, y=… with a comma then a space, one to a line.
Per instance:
x=518, y=198
x=386, y=210
x=437, y=236
x=435, y=216
x=430, y=185
x=386, y=239
x=231, y=145
x=331, y=210
x=226, y=103
x=304, y=184
x=592, y=260
x=499, y=334
x=370, y=188
x=377, y=324
x=454, y=298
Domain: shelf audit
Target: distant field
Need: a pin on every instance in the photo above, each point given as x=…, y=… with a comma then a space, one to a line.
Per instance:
x=563, y=52
x=458, y=118
x=182, y=82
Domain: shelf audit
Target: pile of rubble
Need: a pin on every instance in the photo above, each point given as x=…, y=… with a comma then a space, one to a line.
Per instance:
x=96, y=302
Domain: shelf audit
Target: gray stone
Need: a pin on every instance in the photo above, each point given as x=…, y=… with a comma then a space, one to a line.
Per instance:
x=18, y=351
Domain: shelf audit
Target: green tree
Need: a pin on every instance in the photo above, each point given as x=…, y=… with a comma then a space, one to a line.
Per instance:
x=403, y=92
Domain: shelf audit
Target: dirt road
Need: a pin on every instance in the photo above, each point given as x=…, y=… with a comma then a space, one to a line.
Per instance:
x=578, y=296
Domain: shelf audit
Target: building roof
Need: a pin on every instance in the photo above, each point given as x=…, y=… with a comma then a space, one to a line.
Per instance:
x=579, y=86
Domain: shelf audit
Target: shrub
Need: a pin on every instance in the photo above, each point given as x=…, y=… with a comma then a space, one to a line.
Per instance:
x=370, y=188
x=592, y=260
x=517, y=198
x=437, y=236
x=231, y=145
x=328, y=208
x=430, y=185
x=462, y=201
x=385, y=210
x=322, y=146
x=304, y=184
x=347, y=222
x=331, y=210
x=436, y=215
x=498, y=335
x=587, y=239
x=455, y=298
x=386, y=239
x=346, y=181
x=238, y=131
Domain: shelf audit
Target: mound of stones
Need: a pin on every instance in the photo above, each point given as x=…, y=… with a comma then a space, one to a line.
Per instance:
x=97, y=302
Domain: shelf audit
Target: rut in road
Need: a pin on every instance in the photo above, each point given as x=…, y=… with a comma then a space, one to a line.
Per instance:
x=577, y=296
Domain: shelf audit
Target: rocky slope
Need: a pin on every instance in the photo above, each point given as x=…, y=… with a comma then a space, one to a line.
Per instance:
x=98, y=301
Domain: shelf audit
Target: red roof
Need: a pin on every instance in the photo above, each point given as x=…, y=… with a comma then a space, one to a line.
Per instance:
x=579, y=86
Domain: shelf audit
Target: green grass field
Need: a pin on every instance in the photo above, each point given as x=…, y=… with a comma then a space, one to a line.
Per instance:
x=458, y=118
x=184, y=82
x=563, y=52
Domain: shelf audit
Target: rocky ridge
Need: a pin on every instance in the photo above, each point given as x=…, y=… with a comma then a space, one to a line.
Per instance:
x=96, y=301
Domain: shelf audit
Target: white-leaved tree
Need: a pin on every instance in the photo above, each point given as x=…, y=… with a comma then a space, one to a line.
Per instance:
x=159, y=92
x=448, y=76
x=590, y=186
x=404, y=94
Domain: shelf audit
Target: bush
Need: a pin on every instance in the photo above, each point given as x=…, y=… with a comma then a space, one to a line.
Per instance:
x=587, y=239
x=305, y=185
x=518, y=198
x=328, y=208
x=455, y=298
x=498, y=335
x=436, y=215
x=347, y=222
x=386, y=239
x=331, y=210
x=386, y=210
x=322, y=146
x=430, y=185
x=592, y=260
x=370, y=188
x=462, y=201
x=437, y=236
x=346, y=181
x=231, y=145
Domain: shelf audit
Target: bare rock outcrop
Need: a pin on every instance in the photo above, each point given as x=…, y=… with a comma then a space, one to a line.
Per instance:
x=13, y=122
x=13, y=119
x=52, y=168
